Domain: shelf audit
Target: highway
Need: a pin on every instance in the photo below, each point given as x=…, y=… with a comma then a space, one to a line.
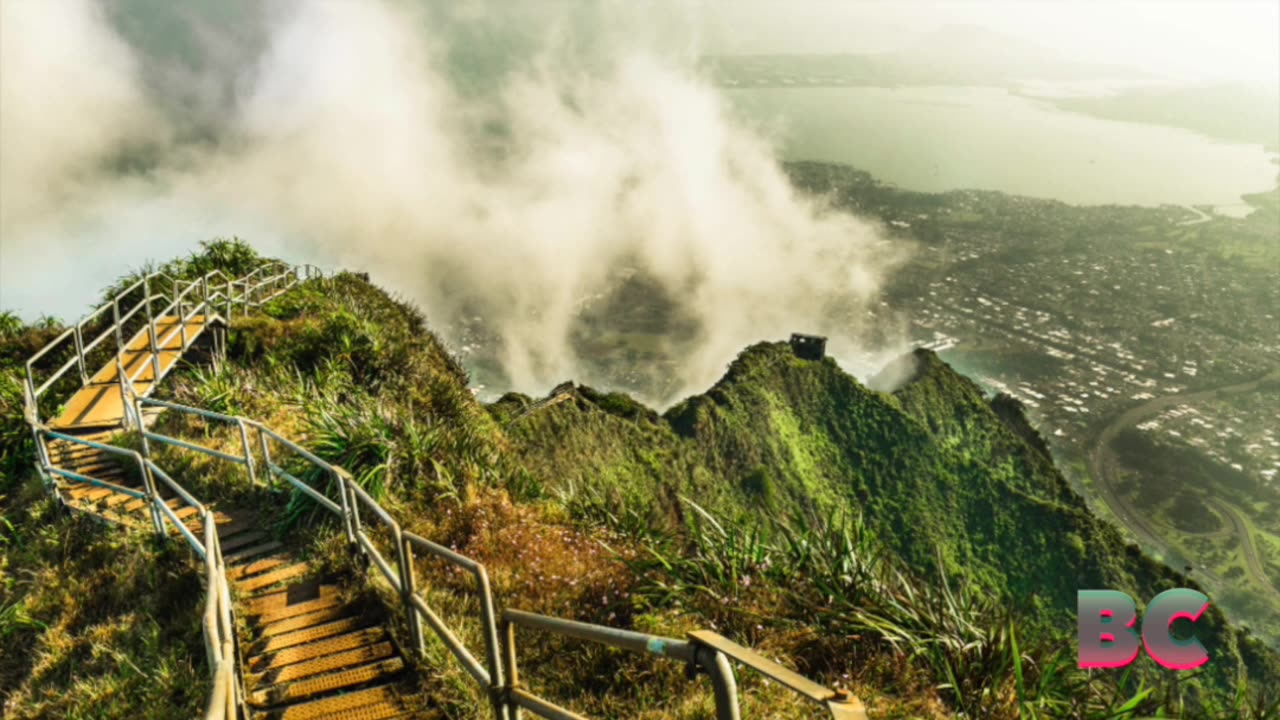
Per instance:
x=1103, y=467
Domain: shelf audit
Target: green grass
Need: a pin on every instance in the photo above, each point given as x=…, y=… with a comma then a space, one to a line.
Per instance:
x=919, y=547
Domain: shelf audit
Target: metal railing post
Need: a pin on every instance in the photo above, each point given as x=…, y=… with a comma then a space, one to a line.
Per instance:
x=266, y=458
x=153, y=498
x=229, y=306
x=248, y=456
x=512, y=670
x=346, y=506
x=723, y=683
x=115, y=317
x=124, y=398
x=492, y=649
x=407, y=586
x=84, y=374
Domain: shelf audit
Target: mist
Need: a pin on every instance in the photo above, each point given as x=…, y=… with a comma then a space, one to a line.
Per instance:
x=507, y=187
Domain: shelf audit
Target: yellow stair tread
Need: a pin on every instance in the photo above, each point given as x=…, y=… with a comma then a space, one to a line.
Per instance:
x=299, y=608
x=328, y=682
x=288, y=597
x=316, y=709
x=255, y=567
x=304, y=620
x=301, y=653
x=325, y=663
x=279, y=575
x=307, y=635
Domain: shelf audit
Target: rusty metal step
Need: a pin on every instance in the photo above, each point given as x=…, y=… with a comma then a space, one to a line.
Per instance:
x=256, y=567
x=325, y=663
x=309, y=634
x=288, y=597
x=304, y=620
x=266, y=580
x=380, y=670
x=300, y=653
x=316, y=709
x=250, y=552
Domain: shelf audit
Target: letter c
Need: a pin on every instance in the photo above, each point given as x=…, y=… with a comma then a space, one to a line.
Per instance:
x=1157, y=629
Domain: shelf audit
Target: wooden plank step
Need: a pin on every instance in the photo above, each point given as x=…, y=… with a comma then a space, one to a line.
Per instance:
x=257, y=567
x=266, y=580
x=288, y=611
x=329, y=646
x=380, y=670
x=250, y=552
x=325, y=663
x=310, y=634
x=288, y=597
x=302, y=620
x=316, y=709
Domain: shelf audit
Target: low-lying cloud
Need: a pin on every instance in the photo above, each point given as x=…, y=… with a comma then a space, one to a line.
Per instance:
x=350, y=135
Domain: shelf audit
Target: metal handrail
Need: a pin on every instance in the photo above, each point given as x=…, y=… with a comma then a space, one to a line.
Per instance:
x=247, y=298
x=707, y=652
x=226, y=697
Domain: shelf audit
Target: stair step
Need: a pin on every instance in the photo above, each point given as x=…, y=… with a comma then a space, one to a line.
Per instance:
x=316, y=709
x=196, y=525
x=256, y=567
x=235, y=527
x=250, y=552
x=289, y=597
x=266, y=580
x=303, y=620
x=325, y=663
x=301, y=608
x=301, y=653
x=112, y=500
x=236, y=542
x=310, y=634
x=88, y=491
x=91, y=466
x=328, y=682
x=379, y=711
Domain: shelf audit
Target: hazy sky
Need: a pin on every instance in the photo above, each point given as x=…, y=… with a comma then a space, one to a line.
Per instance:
x=1210, y=39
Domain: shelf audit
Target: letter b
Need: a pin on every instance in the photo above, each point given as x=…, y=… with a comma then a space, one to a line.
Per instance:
x=1105, y=628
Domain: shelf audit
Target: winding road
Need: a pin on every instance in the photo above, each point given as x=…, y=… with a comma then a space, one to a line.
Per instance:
x=1103, y=466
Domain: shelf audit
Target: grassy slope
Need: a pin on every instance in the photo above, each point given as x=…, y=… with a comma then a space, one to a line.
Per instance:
x=934, y=469
x=582, y=510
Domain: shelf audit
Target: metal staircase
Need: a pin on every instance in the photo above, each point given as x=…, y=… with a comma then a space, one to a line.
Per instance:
x=308, y=651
